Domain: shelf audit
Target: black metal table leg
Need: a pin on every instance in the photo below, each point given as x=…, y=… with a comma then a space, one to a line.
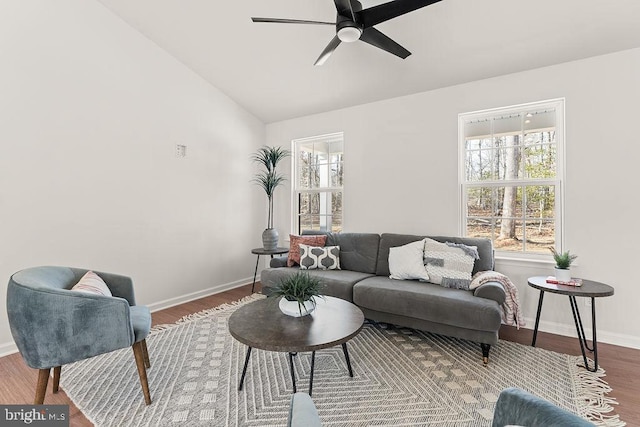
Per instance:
x=255, y=273
x=580, y=323
x=535, y=329
x=581, y=335
x=293, y=373
x=244, y=370
x=346, y=358
x=313, y=365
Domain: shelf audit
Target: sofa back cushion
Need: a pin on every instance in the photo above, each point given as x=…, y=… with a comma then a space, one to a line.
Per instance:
x=358, y=251
x=390, y=240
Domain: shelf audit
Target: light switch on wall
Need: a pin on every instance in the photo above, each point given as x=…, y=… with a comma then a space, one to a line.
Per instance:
x=181, y=150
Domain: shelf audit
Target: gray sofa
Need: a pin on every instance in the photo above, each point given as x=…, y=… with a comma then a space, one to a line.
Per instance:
x=364, y=280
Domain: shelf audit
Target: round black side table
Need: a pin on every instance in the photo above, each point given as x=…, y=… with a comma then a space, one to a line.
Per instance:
x=589, y=289
x=262, y=251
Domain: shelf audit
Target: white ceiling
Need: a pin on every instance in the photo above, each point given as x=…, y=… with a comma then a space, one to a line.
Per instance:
x=268, y=68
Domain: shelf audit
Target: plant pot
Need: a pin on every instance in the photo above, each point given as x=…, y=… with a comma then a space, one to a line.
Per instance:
x=270, y=239
x=291, y=308
x=563, y=274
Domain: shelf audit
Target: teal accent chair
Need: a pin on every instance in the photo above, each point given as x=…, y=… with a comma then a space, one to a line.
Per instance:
x=302, y=412
x=52, y=325
x=514, y=407
x=517, y=407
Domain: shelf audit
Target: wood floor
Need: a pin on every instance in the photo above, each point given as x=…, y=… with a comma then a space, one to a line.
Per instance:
x=17, y=381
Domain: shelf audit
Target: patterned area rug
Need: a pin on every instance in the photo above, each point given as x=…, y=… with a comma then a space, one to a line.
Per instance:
x=401, y=377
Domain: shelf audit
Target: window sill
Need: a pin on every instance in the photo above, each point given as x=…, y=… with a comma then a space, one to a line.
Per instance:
x=507, y=259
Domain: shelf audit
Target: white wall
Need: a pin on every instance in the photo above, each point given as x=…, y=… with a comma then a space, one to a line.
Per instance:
x=90, y=113
x=401, y=174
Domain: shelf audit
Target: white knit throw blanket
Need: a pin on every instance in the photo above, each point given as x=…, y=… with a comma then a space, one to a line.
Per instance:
x=511, y=314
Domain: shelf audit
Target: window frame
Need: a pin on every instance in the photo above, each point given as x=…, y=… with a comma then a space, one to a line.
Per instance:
x=296, y=190
x=559, y=181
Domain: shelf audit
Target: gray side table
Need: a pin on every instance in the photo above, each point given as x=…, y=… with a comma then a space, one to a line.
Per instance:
x=262, y=251
x=589, y=289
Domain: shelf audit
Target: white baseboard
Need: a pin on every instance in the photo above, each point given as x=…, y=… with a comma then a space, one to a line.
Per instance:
x=10, y=347
x=171, y=302
x=569, y=330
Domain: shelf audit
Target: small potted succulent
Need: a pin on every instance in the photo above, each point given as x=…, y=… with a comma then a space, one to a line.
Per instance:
x=298, y=293
x=563, y=263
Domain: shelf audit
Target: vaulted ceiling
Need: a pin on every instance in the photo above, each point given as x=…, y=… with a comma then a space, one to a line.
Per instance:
x=268, y=68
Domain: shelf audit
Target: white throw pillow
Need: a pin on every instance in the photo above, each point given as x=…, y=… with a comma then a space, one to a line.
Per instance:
x=406, y=263
x=91, y=283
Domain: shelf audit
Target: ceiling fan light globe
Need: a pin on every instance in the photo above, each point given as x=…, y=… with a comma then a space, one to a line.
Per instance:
x=349, y=34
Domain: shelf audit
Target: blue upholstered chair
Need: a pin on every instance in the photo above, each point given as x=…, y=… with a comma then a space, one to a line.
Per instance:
x=53, y=326
x=514, y=407
x=517, y=407
x=302, y=412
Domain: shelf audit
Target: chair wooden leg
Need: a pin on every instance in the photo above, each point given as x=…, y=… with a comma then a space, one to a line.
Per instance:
x=145, y=352
x=41, y=388
x=56, y=378
x=142, y=371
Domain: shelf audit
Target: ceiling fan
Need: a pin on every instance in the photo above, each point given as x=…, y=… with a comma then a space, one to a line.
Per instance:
x=354, y=23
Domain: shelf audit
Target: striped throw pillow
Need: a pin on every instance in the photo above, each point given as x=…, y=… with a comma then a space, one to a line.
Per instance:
x=449, y=264
x=91, y=283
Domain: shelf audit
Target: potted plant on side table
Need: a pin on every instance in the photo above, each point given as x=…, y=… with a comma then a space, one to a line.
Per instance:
x=563, y=263
x=269, y=179
x=299, y=293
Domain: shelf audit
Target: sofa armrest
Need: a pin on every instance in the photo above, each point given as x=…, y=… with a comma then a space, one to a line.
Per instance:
x=491, y=290
x=517, y=407
x=280, y=261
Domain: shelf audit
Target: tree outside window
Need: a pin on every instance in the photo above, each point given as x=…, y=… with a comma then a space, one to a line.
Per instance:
x=319, y=171
x=511, y=176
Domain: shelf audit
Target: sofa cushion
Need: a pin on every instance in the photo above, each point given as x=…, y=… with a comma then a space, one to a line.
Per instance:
x=429, y=302
x=388, y=240
x=358, y=251
x=336, y=283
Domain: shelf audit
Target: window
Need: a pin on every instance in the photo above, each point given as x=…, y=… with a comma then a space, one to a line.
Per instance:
x=317, y=193
x=511, y=176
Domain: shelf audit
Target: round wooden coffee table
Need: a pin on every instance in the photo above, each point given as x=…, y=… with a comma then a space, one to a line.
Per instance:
x=262, y=325
x=588, y=289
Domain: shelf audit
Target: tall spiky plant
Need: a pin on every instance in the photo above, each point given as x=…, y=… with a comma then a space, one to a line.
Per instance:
x=269, y=179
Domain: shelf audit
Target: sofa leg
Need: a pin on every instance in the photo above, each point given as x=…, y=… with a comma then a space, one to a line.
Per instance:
x=485, y=353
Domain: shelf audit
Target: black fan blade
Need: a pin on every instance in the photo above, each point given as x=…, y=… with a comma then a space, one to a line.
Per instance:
x=344, y=8
x=383, y=12
x=326, y=53
x=291, y=21
x=378, y=39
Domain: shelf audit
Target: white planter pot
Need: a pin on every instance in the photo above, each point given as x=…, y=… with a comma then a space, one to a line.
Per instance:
x=292, y=308
x=563, y=274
